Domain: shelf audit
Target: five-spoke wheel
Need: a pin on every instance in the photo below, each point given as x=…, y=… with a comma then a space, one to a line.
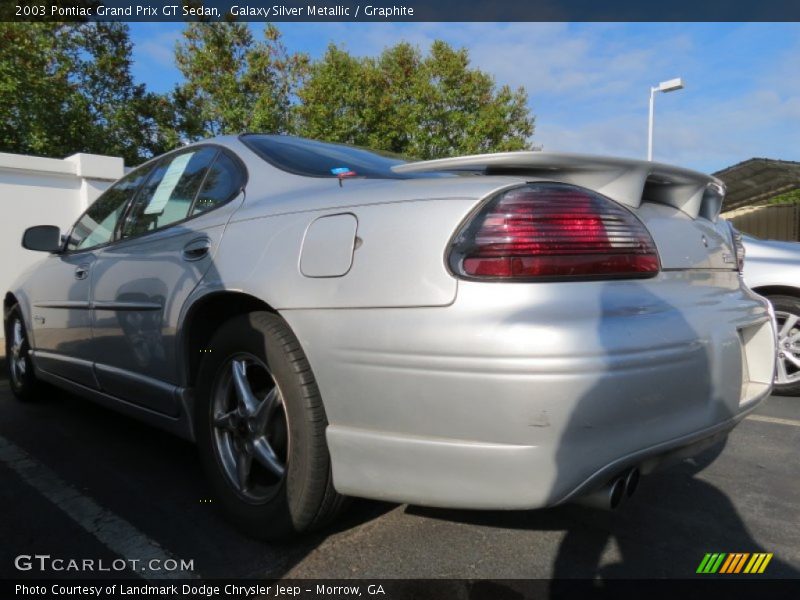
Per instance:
x=260, y=427
x=251, y=437
x=23, y=380
x=17, y=357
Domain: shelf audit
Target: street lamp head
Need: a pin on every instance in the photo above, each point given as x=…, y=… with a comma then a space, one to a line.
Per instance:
x=671, y=85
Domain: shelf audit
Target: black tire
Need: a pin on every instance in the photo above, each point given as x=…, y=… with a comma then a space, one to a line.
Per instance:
x=786, y=305
x=300, y=499
x=19, y=368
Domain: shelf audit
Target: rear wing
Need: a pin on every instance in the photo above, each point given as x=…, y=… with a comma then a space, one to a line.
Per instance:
x=627, y=181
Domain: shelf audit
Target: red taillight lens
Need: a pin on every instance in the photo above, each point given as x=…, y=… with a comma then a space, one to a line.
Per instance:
x=553, y=230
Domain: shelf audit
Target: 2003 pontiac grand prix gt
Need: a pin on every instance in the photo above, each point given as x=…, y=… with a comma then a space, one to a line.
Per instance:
x=500, y=331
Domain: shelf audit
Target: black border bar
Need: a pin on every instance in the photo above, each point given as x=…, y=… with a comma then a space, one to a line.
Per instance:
x=402, y=10
x=706, y=587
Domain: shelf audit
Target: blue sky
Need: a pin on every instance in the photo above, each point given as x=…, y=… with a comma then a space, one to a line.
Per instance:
x=588, y=83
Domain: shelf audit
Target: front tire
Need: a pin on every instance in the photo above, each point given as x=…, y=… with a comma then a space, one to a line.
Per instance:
x=787, y=374
x=260, y=428
x=21, y=377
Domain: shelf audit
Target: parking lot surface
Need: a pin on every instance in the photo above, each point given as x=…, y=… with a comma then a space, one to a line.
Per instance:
x=79, y=481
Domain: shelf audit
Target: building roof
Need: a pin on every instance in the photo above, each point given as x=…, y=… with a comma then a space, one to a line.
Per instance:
x=757, y=180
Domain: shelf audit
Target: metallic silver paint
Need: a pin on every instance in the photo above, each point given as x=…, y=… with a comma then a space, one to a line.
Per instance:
x=515, y=394
x=438, y=391
x=774, y=267
x=625, y=180
x=328, y=245
x=770, y=263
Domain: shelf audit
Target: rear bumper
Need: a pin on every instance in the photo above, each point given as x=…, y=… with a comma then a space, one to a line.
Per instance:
x=488, y=476
x=523, y=396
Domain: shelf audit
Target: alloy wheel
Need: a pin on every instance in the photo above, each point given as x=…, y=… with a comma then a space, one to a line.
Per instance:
x=18, y=358
x=788, y=367
x=250, y=428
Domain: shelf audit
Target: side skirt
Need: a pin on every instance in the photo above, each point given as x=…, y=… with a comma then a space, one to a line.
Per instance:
x=181, y=425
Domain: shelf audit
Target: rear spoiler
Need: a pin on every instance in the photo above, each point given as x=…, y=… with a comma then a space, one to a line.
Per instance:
x=627, y=181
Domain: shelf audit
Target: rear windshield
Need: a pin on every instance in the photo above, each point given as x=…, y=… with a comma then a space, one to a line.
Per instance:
x=322, y=159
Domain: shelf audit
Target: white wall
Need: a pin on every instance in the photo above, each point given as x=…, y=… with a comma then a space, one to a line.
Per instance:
x=45, y=191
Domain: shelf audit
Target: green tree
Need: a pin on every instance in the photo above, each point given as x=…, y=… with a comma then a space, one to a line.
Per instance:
x=38, y=112
x=67, y=88
x=428, y=106
x=235, y=83
x=126, y=120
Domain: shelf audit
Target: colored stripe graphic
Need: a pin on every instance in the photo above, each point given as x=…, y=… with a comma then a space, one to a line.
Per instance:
x=703, y=563
x=717, y=563
x=755, y=562
x=721, y=562
x=730, y=564
x=764, y=564
x=727, y=564
x=711, y=562
x=740, y=564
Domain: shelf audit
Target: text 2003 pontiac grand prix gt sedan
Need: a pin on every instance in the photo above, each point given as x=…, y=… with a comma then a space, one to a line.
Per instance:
x=500, y=331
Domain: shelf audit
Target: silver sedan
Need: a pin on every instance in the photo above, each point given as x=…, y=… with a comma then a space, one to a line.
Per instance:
x=772, y=268
x=501, y=331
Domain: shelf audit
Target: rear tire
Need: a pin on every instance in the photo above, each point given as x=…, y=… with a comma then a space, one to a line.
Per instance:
x=260, y=428
x=787, y=378
x=19, y=367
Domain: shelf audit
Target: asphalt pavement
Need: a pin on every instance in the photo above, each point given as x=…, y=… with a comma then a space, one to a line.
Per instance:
x=79, y=481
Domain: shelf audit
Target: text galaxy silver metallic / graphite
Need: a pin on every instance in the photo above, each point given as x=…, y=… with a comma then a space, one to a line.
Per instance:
x=312, y=11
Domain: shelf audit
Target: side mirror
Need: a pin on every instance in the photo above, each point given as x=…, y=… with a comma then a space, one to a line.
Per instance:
x=42, y=238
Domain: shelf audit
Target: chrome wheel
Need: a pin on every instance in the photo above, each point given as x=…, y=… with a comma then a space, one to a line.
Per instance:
x=788, y=367
x=18, y=360
x=250, y=428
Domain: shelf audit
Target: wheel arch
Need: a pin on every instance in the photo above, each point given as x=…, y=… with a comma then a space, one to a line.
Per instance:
x=9, y=300
x=773, y=290
x=203, y=318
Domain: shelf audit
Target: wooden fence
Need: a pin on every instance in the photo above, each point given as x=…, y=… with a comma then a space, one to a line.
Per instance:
x=770, y=222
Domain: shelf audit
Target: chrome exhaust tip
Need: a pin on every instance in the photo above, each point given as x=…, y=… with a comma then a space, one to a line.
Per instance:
x=631, y=481
x=607, y=497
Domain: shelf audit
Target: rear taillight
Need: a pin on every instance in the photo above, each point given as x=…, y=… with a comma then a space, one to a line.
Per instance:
x=556, y=231
x=738, y=246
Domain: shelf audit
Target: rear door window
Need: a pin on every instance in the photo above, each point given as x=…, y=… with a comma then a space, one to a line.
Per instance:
x=223, y=182
x=170, y=191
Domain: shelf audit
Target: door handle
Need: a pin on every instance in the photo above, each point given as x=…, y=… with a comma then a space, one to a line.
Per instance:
x=197, y=249
x=81, y=271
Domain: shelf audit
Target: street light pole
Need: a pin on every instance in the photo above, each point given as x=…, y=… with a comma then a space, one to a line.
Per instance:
x=664, y=86
x=650, y=124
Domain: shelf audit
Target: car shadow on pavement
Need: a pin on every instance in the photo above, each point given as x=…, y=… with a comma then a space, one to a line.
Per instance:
x=664, y=531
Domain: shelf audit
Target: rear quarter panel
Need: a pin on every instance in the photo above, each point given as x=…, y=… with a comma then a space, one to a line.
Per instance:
x=398, y=259
x=403, y=231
